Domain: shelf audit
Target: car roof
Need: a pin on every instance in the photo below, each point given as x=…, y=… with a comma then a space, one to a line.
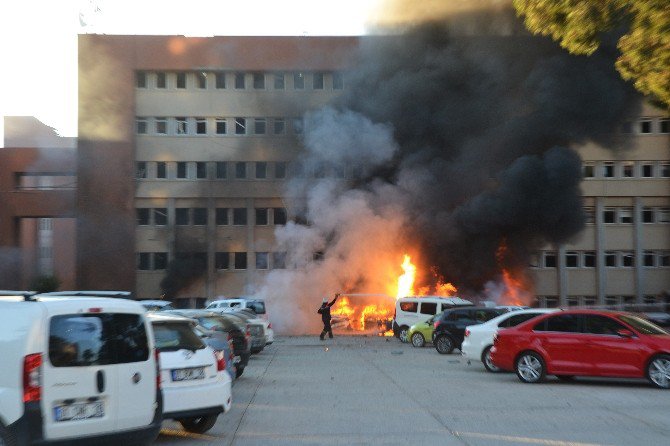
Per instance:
x=162, y=317
x=92, y=293
x=154, y=302
x=192, y=312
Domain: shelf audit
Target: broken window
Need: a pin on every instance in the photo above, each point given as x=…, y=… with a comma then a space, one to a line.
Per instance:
x=240, y=126
x=201, y=79
x=160, y=216
x=182, y=125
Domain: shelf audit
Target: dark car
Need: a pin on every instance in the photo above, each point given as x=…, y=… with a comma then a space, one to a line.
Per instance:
x=219, y=323
x=450, y=327
x=256, y=330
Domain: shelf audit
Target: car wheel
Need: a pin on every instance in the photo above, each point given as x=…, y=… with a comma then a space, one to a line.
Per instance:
x=6, y=439
x=199, y=425
x=658, y=371
x=418, y=340
x=404, y=332
x=566, y=378
x=530, y=367
x=486, y=359
x=239, y=372
x=444, y=344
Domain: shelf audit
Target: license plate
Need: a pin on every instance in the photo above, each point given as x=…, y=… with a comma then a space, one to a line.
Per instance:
x=80, y=411
x=188, y=374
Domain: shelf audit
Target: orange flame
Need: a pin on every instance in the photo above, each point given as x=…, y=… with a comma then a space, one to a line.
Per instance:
x=516, y=287
x=406, y=279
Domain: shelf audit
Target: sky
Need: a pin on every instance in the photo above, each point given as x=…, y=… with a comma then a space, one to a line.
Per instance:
x=39, y=57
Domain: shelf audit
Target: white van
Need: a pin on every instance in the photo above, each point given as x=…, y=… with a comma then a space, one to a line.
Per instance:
x=414, y=309
x=77, y=370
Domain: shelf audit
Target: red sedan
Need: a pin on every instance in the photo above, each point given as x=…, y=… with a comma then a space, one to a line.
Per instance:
x=585, y=343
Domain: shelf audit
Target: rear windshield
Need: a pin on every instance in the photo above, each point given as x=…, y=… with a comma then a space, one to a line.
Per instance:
x=79, y=340
x=643, y=325
x=257, y=307
x=215, y=323
x=173, y=336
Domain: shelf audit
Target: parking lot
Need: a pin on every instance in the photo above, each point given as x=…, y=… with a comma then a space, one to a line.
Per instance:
x=372, y=390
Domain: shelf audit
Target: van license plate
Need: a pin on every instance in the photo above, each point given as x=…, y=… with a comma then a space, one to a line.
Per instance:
x=188, y=374
x=80, y=411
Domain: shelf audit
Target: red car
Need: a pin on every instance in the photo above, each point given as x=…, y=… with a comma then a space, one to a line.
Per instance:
x=585, y=343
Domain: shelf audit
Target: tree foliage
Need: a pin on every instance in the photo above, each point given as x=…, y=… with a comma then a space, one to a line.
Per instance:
x=578, y=25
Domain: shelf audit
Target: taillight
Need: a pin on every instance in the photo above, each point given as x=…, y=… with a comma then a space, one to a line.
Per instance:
x=467, y=332
x=32, y=378
x=158, y=369
x=220, y=360
x=435, y=325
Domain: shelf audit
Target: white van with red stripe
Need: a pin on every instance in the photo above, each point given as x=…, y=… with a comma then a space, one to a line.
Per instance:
x=77, y=370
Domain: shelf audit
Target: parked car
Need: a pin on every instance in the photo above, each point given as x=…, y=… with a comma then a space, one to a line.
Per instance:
x=81, y=369
x=418, y=333
x=585, y=343
x=267, y=326
x=221, y=343
x=255, y=327
x=235, y=328
x=196, y=385
x=450, y=326
x=413, y=309
x=253, y=306
x=156, y=305
x=478, y=339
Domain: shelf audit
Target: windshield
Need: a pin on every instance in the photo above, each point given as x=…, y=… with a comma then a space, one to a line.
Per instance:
x=172, y=336
x=643, y=326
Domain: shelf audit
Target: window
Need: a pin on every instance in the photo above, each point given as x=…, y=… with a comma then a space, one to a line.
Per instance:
x=664, y=259
x=550, y=260
x=571, y=259
x=161, y=126
x=160, y=216
x=160, y=260
x=338, y=81
x=298, y=126
x=261, y=260
x=201, y=78
x=663, y=215
x=259, y=126
x=161, y=80
x=221, y=260
x=161, y=169
x=261, y=169
x=428, y=308
x=220, y=81
x=566, y=323
x=142, y=216
x=239, y=81
x=410, y=307
x=665, y=170
x=517, y=319
x=240, y=126
x=259, y=81
x=647, y=170
x=647, y=215
x=141, y=169
x=182, y=125
x=141, y=127
x=220, y=126
x=279, y=83
x=280, y=170
x=279, y=126
x=201, y=126
x=200, y=216
x=221, y=216
x=317, y=81
x=589, y=215
x=240, y=170
x=201, y=169
x=261, y=216
x=299, y=81
x=181, y=80
x=588, y=171
x=608, y=170
x=609, y=215
x=627, y=169
x=182, y=216
x=626, y=215
x=279, y=260
x=645, y=126
x=221, y=170
x=610, y=259
x=239, y=216
x=141, y=79
x=664, y=125
x=240, y=260
x=181, y=169
x=601, y=325
x=589, y=259
x=279, y=216
x=463, y=316
x=628, y=260
x=648, y=259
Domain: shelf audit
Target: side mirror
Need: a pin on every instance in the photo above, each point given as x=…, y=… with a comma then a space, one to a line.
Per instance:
x=625, y=333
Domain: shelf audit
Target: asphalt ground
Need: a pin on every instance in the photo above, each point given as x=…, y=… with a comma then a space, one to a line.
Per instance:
x=377, y=391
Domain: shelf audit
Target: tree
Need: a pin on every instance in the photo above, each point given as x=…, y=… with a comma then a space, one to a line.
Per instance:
x=579, y=25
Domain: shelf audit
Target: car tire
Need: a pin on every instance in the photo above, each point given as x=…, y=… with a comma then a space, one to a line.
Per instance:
x=239, y=372
x=566, y=378
x=6, y=438
x=530, y=368
x=486, y=360
x=198, y=425
x=403, y=334
x=658, y=371
x=444, y=344
x=418, y=340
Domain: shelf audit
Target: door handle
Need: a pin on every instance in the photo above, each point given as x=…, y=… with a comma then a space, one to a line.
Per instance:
x=100, y=381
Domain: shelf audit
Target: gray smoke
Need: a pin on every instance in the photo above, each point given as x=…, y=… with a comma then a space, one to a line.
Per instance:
x=461, y=144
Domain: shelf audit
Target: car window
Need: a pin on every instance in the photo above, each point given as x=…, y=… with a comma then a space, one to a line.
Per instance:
x=642, y=325
x=173, y=336
x=213, y=323
x=486, y=315
x=428, y=308
x=257, y=307
x=79, y=340
x=446, y=306
x=567, y=323
x=602, y=325
x=515, y=320
x=460, y=315
x=410, y=307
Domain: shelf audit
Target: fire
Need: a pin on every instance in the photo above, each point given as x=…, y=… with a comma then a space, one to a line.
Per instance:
x=406, y=279
x=406, y=283
x=516, y=289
